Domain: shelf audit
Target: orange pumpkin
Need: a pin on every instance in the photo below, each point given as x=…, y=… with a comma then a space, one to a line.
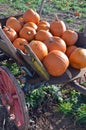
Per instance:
x=31, y=16
x=21, y=20
x=43, y=25
x=70, y=49
x=44, y=22
x=19, y=43
x=57, y=27
x=31, y=24
x=14, y=23
x=70, y=37
x=28, y=33
x=76, y=13
x=56, y=62
x=11, y=33
x=39, y=48
x=55, y=43
x=78, y=58
x=42, y=35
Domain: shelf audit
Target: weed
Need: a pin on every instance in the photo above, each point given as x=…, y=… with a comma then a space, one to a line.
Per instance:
x=65, y=107
x=81, y=114
x=39, y=95
x=70, y=20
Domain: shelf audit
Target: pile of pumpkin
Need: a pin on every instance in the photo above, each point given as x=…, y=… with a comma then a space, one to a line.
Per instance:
x=53, y=43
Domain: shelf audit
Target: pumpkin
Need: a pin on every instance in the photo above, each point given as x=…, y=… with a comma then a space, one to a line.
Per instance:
x=57, y=27
x=11, y=33
x=44, y=22
x=31, y=16
x=55, y=43
x=70, y=49
x=21, y=20
x=31, y=24
x=19, y=43
x=78, y=58
x=39, y=48
x=42, y=35
x=14, y=23
x=70, y=37
x=76, y=13
x=56, y=63
x=28, y=33
x=43, y=25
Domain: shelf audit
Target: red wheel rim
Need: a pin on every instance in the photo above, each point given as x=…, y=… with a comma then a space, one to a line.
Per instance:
x=13, y=98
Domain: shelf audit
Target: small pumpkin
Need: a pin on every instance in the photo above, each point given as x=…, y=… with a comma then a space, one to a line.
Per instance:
x=70, y=37
x=14, y=23
x=31, y=16
x=21, y=20
x=28, y=33
x=39, y=48
x=77, y=13
x=56, y=63
x=57, y=27
x=55, y=43
x=43, y=25
x=19, y=43
x=78, y=58
x=42, y=35
x=44, y=22
x=10, y=32
x=70, y=49
x=31, y=24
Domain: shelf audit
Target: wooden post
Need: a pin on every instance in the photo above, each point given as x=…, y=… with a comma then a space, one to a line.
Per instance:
x=41, y=7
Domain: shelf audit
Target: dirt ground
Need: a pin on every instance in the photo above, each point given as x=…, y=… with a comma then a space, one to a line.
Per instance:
x=45, y=116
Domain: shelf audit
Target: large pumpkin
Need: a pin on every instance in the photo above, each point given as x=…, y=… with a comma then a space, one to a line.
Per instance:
x=55, y=43
x=31, y=16
x=78, y=58
x=70, y=37
x=57, y=27
x=56, y=62
x=39, y=48
x=14, y=23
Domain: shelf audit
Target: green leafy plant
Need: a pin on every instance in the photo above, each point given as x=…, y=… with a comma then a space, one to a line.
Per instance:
x=81, y=114
x=39, y=95
x=65, y=107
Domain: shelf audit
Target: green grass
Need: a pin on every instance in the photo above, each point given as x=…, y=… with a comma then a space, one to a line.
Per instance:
x=49, y=6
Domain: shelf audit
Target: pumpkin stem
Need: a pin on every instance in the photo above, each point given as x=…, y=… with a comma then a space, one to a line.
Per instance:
x=8, y=27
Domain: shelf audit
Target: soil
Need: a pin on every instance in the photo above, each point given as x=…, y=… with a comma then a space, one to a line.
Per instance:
x=44, y=117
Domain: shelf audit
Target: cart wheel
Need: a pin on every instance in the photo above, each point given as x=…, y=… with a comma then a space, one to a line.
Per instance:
x=13, y=99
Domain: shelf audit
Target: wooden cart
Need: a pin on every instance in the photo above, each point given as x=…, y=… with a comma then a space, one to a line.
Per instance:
x=36, y=75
